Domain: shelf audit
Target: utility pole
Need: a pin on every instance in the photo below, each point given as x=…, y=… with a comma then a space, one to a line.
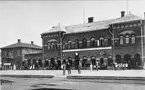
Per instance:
x=113, y=39
x=142, y=42
x=61, y=45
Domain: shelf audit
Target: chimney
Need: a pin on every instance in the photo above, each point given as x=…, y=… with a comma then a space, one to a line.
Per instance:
x=32, y=42
x=122, y=13
x=19, y=40
x=90, y=19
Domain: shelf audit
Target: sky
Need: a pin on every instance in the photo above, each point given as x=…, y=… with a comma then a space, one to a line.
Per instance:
x=26, y=20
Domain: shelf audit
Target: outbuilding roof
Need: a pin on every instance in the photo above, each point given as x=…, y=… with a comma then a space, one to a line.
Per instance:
x=22, y=45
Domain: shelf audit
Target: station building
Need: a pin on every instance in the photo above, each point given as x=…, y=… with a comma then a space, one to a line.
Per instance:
x=120, y=40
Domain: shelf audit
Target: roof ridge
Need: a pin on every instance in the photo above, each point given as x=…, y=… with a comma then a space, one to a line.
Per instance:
x=22, y=44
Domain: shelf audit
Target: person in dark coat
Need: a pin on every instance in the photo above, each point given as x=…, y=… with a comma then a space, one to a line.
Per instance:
x=93, y=60
x=79, y=67
x=77, y=59
x=59, y=63
x=64, y=66
x=68, y=65
x=84, y=62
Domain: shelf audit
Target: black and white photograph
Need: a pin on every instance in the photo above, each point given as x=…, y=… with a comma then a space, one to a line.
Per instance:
x=72, y=44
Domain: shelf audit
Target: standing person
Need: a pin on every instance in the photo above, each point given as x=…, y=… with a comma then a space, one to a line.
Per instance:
x=114, y=65
x=97, y=65
x=129, y=65
x=77, y=59
x=64, y=66
x=79, y=67
x=91, y=66
x=14, y=67
x=84, y=62
x=59, y=63
x=68, y=65
x=93, y=60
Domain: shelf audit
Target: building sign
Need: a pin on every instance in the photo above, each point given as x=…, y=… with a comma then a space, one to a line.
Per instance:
x=7, y=63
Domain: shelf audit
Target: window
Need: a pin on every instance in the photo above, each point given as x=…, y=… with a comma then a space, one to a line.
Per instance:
x=106, y=42
x=76, y=43
x=133, y=39
x=69, y=44
x=127, y=39
x=73, y=45
x=66, y=45
x=63, y=46
x=101, y=41
x=55, y=45
x=84, y=43
x=96, y=42
x=118, y=58
x=48, y=46
x=80, y=44
x=109, y=41
x=121, y=39
x=92, y=42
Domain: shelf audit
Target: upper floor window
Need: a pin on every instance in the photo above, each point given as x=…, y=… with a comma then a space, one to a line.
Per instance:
x=109, y=41
x=76, y=43
x=106, y=42
x=48, y=46
x=133, y=39
x=92, y=42
x=101, y=41
x=121, y=39
x=96, y=42
x=127, y=39
x=63, y=46
x=66, y=45
x=69, y=44
x=84, y=43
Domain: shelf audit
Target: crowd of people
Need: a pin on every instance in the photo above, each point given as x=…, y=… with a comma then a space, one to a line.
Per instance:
x=70, y=64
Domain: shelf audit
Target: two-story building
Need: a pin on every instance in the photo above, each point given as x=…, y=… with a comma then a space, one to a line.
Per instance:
x=120, y=39
x=14, y=54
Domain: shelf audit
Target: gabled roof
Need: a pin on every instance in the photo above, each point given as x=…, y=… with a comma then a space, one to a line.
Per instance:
x=57, y=28
x=98, y=25
x=22, y=45
x=127, y=18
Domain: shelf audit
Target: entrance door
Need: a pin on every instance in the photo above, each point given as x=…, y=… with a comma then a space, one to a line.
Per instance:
x=137, y=59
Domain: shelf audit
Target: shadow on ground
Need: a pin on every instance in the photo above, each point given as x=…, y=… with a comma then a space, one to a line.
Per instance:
x=50, y=89
x=2, y=81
